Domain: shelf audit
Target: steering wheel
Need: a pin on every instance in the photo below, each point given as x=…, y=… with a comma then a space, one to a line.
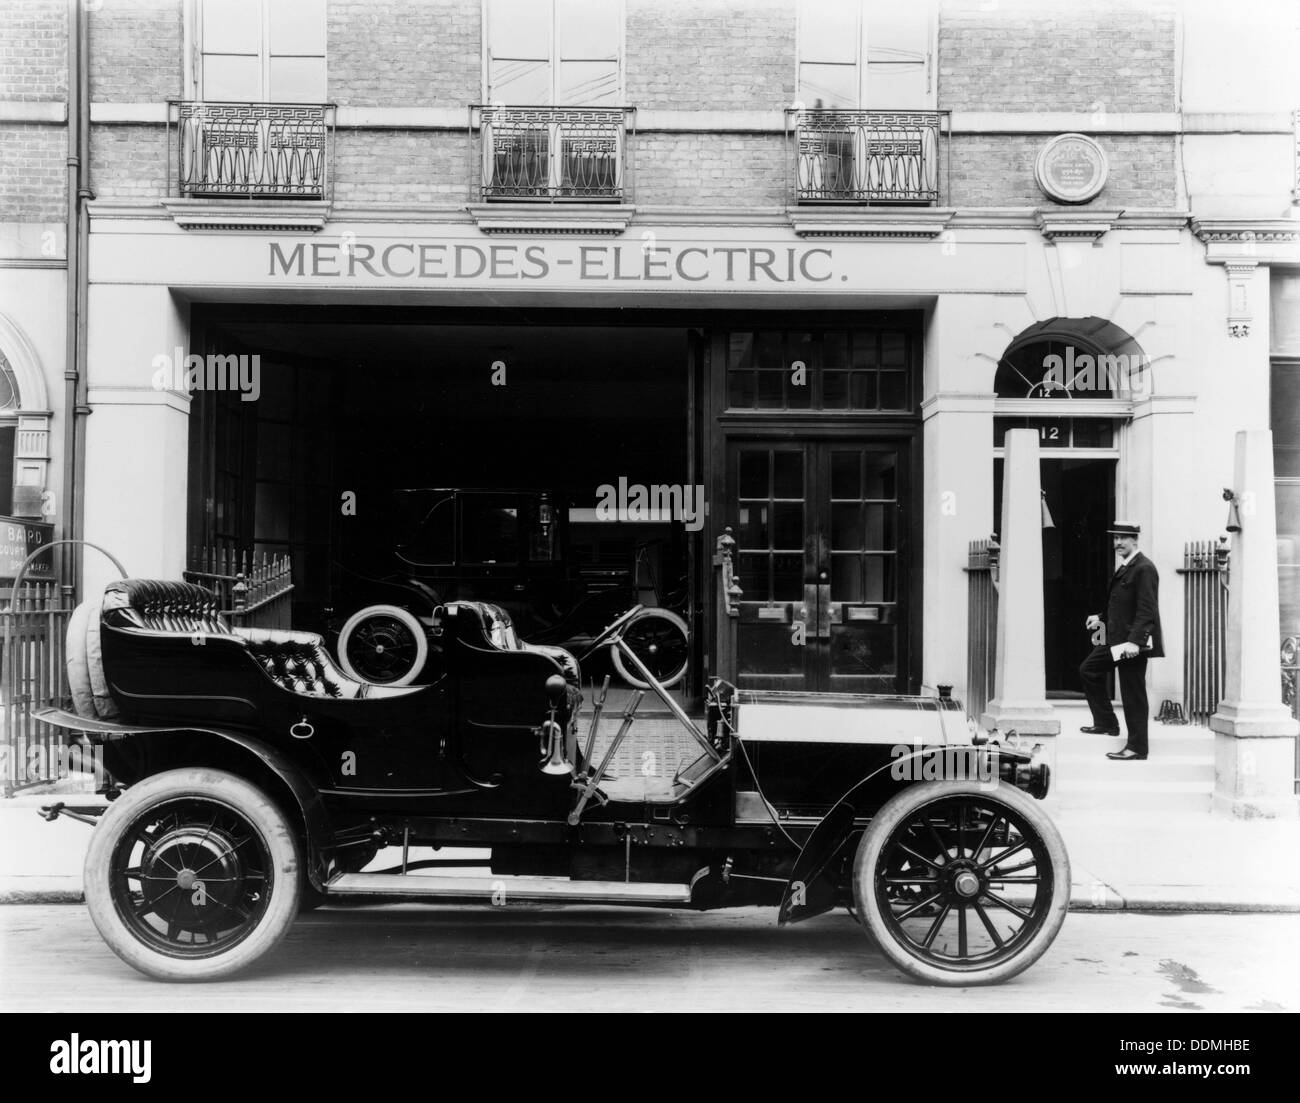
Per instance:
x=608, y=631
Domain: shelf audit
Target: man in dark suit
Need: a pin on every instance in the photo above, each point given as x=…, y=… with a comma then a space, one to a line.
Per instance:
x=1132, y=635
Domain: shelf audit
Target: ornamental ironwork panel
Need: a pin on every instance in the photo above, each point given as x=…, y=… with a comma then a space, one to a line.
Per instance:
x=554, y=153
x=868, y=156
x=1205, y=626
x=252, y=149
x=982, y=558
x=1290, y=657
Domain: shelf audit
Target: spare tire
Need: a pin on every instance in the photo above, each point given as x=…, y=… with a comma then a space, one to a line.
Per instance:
x=384, y=645
x=105, y=706
x=78, y=667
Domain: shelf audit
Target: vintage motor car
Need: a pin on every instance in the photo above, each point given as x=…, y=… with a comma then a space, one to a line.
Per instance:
x=252, y=779
x=516, y=549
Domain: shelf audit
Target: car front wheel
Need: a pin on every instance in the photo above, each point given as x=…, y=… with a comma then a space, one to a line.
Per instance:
x=960, y=883
x=192, y=874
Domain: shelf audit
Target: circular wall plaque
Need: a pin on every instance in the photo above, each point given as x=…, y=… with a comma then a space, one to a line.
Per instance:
x=1071, y=168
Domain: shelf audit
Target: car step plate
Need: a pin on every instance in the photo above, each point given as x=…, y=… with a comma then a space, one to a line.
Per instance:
x=509, y=888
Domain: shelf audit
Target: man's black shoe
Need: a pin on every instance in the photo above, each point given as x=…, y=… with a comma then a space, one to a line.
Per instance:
x=1090, y=730
x=1126, y=756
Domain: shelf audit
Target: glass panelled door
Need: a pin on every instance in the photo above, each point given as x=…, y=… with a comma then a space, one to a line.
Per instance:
x=823, y=562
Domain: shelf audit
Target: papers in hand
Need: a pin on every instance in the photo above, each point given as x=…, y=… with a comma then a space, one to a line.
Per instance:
x=1117, y=653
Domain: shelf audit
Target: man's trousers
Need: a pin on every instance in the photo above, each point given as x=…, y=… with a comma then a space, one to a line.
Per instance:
x=1132, y=690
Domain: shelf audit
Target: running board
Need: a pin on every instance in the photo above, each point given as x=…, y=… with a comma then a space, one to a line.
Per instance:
x=507, y=889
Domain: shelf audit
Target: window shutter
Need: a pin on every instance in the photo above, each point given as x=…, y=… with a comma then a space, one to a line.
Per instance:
x=899, y=43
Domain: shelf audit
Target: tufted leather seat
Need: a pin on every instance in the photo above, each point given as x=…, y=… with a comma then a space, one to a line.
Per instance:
x=163, y=607
x=298, y=662
x=497, y=629
x=295, y=661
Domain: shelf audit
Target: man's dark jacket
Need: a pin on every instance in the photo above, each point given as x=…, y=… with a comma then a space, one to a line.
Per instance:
x=1133, y=607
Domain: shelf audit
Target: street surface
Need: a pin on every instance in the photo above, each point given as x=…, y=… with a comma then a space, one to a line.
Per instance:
x=410, y=958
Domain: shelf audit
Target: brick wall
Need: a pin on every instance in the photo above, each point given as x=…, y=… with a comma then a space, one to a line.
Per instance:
x=401, y=166
x=33, y=173
x=136, y=51
x=722, y=55
x=33, y=50
x=129, y=162
x=740, y=170
x=997, y=170
x=33, y=69
x=1082, y=57
x=404, y=53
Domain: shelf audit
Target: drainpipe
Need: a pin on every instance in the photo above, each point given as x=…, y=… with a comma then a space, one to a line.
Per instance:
x=66, y=500
x=75, y=408
x=84, y=196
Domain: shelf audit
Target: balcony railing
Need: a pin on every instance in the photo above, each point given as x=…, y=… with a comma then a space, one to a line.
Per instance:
x=866, y=157
x=554, y=154
x=252, y=150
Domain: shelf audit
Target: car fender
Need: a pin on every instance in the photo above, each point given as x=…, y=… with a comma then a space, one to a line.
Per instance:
x=315, y=817
x=806, y=895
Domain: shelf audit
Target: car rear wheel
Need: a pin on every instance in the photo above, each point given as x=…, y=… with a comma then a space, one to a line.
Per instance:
x=192, y=875
x=959, y=884
x=384, y=645
x=661, y=640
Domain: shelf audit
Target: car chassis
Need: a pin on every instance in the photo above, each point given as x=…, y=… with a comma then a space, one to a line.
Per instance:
x=253, y=780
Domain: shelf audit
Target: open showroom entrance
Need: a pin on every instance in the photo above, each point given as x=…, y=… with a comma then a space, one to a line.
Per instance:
x=540, y=460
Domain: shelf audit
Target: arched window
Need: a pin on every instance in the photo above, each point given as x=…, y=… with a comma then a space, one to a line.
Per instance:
x=1055, y=368
x=10, y=404
x=1090, y=384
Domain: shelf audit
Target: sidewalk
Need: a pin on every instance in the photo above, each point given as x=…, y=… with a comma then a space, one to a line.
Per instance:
x=1140, y=836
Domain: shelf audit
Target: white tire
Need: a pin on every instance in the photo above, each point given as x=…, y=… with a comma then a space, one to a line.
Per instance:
x=105, y=706
x=144, y=875
x=661, y=640
x=83, y=696
x=384, y=645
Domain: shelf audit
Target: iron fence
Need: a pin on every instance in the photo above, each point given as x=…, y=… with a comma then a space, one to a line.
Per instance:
x=33, y=675
x=554, y=153
x=981, y=624
x=1291, y=690
x=253, y=593
x=1205, y=626
x=865, y=157
x=247, y=150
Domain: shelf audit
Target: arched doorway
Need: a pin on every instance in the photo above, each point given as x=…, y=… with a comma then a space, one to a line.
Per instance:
x=1074, y=380
x=24, y=427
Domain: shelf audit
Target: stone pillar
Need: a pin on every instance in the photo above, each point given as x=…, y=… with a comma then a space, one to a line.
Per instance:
x=958, y=497
x=1019, y=687
x=1254, y=748
x=137, y=435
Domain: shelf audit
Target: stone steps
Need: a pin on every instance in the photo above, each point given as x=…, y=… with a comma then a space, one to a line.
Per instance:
x=1177, y=777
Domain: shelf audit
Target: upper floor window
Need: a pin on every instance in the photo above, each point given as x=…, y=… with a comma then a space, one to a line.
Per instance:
x=554, y=53
x=261, y=51
x=874, y=54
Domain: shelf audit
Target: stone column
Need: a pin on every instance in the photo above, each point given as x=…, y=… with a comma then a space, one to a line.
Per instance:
x=137, y=436
x=1254, y=748
x=1019, y=687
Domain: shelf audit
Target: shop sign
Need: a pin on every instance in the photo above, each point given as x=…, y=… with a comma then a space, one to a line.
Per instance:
x=646, y=263
x=1072, y=168
x=18, y=539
